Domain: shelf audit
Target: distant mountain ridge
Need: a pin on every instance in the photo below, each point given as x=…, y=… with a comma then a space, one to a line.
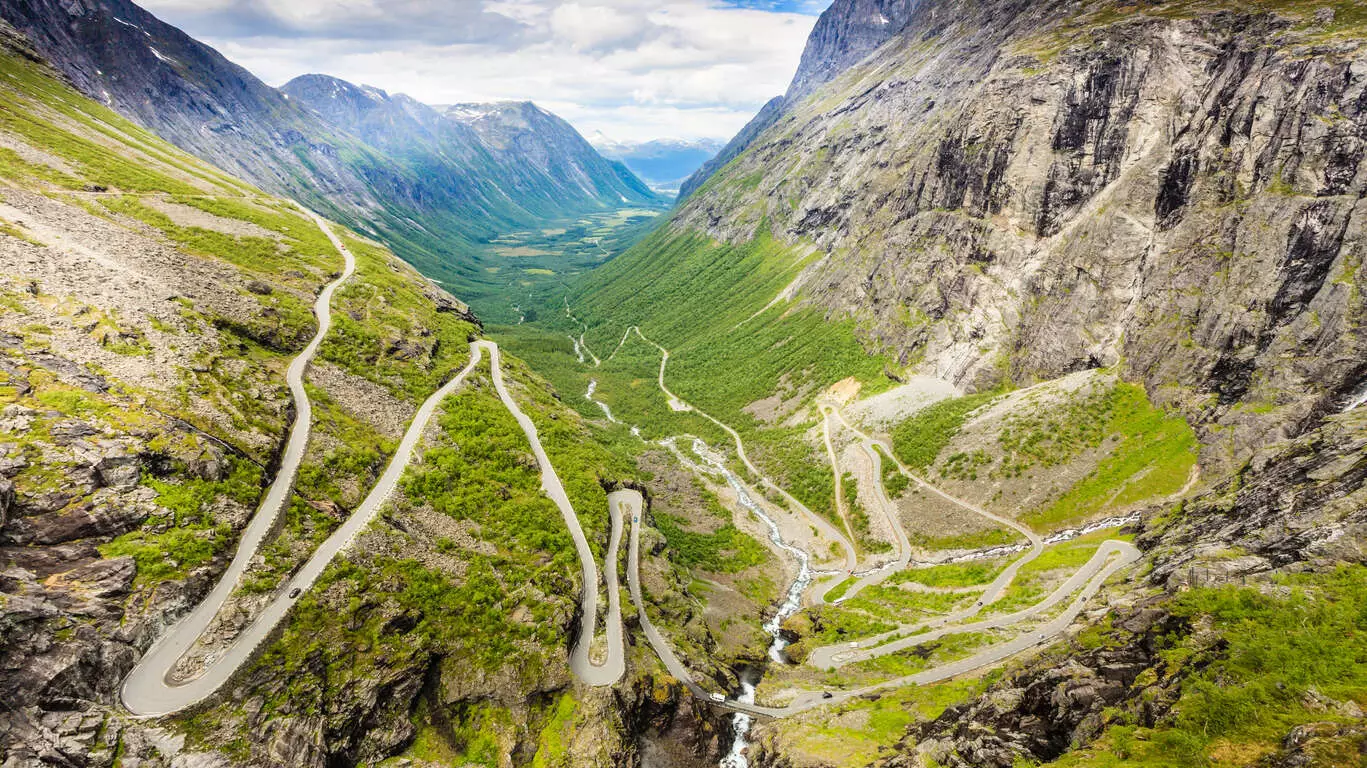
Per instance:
x=663, y=163
x=433, y=188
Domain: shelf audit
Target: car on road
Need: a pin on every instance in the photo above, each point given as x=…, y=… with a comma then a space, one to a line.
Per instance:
x=295, y=593
x=718, y=697
x=827, y=695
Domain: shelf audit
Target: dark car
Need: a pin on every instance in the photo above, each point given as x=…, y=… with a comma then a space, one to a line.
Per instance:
x=294, y=593
x=827, y=695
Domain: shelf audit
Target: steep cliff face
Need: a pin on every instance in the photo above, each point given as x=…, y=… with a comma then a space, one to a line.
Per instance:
x=845, y=34
x=1007, y=191
x=121, y=55
x=1013, y=190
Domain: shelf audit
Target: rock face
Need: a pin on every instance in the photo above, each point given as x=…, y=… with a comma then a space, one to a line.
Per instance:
x=1301, y=504
x=846, y=33
x=1017, y=190
x=356, y=153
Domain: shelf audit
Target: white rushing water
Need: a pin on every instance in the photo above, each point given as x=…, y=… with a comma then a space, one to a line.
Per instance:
x=1357, y=401
x=741, y=722
x=593, y=387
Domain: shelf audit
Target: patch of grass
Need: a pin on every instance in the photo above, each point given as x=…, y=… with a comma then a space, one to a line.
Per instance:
x=894, y=482
x=192, y=537
x=990, y=537
x=1153, y=456
x=839, y=590
x=14, y=167
x=857, y=733
x=356, y=455
x=970, y=574
x=72, y=401
x=840, y=623
x=20, y=115
x=919, y=658
x=919, y=440
x=904, y=605
x=552, y=749
x=725, y=550
x=1032, y=582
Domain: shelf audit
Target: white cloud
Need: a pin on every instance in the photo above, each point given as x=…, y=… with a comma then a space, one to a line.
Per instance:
x=632, y=69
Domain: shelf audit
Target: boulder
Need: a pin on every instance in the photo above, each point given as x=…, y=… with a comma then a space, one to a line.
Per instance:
x=118, y=467
x=45, y=561
x=70, y=373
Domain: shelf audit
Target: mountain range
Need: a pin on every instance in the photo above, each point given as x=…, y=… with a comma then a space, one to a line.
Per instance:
x=436, y=189
x=663, y=163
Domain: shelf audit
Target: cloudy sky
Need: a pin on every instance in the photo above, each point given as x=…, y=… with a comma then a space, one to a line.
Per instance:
x=632, y=69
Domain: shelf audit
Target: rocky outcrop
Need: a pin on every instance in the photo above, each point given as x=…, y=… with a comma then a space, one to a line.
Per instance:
x=1301, y=504
x=846, y=33
x=1056, y=703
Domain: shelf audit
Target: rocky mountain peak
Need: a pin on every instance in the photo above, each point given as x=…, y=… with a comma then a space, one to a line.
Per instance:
x=846, y=33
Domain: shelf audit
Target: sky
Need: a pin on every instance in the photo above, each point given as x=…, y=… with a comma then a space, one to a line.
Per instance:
x=633, y=70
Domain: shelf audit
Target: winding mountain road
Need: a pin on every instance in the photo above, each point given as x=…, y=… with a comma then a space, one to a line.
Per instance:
x=151, y=688
x=612, y=669
x=1112, y=556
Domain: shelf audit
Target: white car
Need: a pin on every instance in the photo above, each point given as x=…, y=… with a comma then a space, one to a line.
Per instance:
x=718, y=697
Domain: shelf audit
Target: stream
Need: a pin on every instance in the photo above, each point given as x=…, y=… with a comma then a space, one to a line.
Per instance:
x=593, y=387
x=741, y=722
